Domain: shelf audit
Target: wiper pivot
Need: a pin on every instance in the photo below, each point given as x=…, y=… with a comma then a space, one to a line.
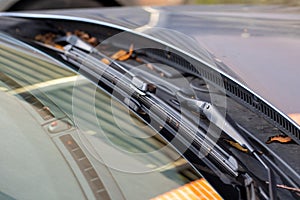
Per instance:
x=214, y=116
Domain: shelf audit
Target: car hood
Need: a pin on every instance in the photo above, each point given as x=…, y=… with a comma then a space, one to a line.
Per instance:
x=258, y=46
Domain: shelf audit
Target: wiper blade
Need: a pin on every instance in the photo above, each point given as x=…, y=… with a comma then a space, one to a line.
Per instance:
x=138, y=95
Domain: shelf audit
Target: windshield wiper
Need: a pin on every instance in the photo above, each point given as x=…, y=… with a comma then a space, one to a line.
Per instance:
x=226, y=124
x=139, y=95
x=215, y=117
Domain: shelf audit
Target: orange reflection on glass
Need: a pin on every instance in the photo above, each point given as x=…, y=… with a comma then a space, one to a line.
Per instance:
x=196, y=190
x=295, y=117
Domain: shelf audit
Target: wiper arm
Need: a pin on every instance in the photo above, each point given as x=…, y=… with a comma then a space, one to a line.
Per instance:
x=76, y=42
x=72, y=42
x=215, y=117
x=138, y=95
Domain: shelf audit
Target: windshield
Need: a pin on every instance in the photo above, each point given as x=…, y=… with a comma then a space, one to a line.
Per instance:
x=64, y=138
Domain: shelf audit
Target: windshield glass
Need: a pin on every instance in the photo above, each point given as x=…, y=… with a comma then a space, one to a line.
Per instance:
x=66, y=134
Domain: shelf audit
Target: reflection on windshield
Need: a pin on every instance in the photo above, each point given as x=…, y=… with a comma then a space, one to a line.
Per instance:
x=132, y=150
x=139, y=160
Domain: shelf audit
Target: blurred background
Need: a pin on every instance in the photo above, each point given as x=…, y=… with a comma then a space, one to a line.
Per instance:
x=16, y=5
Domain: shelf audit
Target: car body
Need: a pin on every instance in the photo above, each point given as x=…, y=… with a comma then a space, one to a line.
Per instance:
x=254, y=50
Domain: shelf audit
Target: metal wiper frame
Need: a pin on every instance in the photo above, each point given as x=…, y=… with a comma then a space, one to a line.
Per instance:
x=137, y=95
x=215, y=117
x=136, y=92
